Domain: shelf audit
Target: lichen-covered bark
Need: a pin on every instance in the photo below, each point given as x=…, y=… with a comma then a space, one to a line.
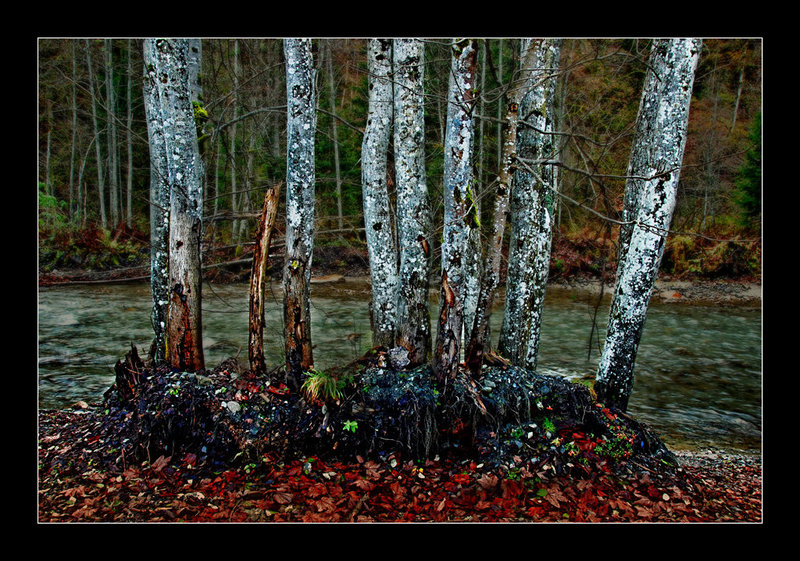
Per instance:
x=660, y=140
x=413, y=210
x=531, y=210
x=184, y=325
x=479, y=337
x=159, y=206
x=459, y=210
x=258, y=281
x=300, y=176
x=378, y=222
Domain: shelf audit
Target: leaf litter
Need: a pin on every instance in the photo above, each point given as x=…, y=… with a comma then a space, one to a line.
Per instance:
x=512, y=446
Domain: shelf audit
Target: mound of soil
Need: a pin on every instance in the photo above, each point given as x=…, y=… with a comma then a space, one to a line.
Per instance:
x=507, y=416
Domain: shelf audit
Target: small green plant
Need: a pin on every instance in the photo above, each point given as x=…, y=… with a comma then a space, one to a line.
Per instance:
x=321, y=387
x=352, y=426
x=548, y=425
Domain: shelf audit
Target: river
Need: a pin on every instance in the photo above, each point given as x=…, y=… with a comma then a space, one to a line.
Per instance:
x=698, y=372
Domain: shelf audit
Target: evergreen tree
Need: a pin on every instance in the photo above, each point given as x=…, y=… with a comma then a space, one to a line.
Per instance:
x=748, y=181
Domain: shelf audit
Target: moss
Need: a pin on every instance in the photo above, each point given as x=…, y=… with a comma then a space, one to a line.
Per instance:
x=473, y=216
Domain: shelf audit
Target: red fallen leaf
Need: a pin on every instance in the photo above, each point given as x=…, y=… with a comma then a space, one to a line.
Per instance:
x=281, y=389
x=364, y=485
x=483, y=505
x=535, y=511
x=677, y=295
x=461, y=478
x=325, y=504
x=317, y=490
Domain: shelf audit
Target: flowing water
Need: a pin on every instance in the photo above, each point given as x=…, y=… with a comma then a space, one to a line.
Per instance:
x=698, y=371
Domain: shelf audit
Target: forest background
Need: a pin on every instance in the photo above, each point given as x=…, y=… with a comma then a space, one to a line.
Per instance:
x=94, y=177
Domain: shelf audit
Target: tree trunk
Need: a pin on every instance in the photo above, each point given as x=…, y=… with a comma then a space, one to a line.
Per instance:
x=377, y=219
x=184, y=328
x=740, y=85
x=258, y=281
x=657, y=155
x=413, y=210
x=479, y=340
x=159, y=204
x=129, y=186
x=335, y=134
x=460, y=213
x=73, y=196
x=111, y=136
x=531, y=210
x=235, y=230
x=100, y=175
x=300, y=177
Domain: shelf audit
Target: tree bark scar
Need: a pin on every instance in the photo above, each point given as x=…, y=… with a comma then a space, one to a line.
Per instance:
x=178, y=289
x=449, y=298
x=424, y=243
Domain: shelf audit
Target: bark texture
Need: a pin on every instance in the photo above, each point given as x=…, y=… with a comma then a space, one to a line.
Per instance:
x=378, y=222
x=657, y=154
x=532, y=201
x=184, y=327
x=300, y=176
x=258, y=281
x=479, y=338
x=169, y=65
x=159, y=205
x=413, y=210
x=460, y=212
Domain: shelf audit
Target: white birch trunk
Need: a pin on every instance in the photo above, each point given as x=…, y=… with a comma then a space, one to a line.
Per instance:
x=300, y=178
x=459, y=208
x=657, y=154
x=159, y=205
x=531, y=210
x=413, y=210
x=184, y=327
x=479, y=340
x=374, y=173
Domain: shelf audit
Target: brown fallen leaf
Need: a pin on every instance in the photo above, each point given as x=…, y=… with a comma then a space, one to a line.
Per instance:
x=488, y=481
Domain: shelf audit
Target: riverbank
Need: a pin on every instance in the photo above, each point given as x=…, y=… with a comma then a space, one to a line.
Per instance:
x=722, y=292
x=727, y=292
